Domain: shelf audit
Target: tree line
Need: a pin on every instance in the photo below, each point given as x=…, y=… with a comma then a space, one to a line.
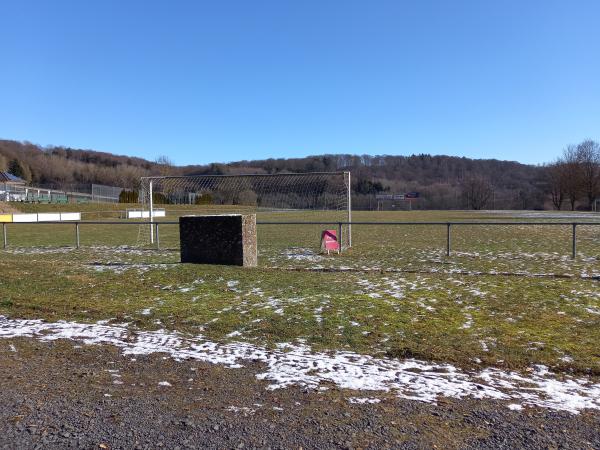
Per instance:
x=445, y=182
x=574, y=177
x=66, y=168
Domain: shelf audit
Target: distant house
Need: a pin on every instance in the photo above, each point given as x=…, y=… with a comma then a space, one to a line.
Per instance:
x=12, y=188
x=10, y=179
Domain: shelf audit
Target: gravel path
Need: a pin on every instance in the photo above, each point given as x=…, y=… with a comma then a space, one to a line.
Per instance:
x=61, y=395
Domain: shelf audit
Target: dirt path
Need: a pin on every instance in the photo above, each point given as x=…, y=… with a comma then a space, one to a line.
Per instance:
x=62, y=395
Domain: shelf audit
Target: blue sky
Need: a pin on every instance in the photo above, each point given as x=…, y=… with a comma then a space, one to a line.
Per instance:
x=228, y=80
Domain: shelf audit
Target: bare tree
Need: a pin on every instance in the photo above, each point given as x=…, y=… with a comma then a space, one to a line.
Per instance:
x=165, y=165
x=588, y=157
x=573, y=177
x=556, y=176
x=477, y=191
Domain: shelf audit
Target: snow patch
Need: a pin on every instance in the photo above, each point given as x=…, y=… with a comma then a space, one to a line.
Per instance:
x=302, y=254
x=297, y=364
x=234, y=334
x=243, y=410
x=363, y=400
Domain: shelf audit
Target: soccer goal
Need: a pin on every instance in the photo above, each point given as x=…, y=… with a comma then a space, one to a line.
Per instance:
x=290, y=197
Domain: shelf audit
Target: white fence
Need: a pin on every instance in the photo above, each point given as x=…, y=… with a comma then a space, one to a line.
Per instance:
x=141, y=214
x=43, y=217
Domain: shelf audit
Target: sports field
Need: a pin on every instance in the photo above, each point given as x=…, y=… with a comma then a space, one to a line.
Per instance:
x=509, y=299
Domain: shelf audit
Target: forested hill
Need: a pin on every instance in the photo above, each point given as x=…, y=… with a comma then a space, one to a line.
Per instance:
x=60, y=166
x=443, y=181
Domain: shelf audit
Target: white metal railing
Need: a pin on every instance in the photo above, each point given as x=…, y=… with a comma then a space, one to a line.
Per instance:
x=34, y=194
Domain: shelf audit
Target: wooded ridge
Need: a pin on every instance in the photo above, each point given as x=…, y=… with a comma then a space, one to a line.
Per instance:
x=444, y=182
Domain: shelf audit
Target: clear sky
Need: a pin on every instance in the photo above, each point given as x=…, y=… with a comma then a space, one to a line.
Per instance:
x=227, y=80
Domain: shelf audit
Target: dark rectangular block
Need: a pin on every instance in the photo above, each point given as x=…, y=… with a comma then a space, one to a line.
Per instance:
x=224, y=239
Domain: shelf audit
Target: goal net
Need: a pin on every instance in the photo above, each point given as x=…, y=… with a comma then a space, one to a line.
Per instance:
x=303, y=197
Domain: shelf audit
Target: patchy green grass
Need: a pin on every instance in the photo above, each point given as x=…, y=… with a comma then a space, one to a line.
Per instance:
x=508, y=296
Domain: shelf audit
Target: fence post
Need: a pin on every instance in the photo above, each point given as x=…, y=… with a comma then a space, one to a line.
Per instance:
x=448, y=225
x=157, y=236
x=150, y=213
x=574, y=255
x=5, y=237
x=77, y=234
x=340, y=240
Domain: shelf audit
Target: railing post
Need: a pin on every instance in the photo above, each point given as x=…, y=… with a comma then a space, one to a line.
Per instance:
x=340, y=240
x=150, y=214
x=574, y=254
x=77, y=234
x=448, y=225
x=349, y=210
x=4, y=236
x=157, y=236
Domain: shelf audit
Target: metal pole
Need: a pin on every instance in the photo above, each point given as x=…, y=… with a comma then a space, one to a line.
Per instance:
x=339, y=237
x=4, y=235
x=349, y=211
x=157, y=237
x=448, y=239
x=150, y=214
x=77, y=234
x=574, y=241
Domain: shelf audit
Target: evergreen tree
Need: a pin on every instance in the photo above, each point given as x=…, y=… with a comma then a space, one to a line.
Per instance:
x=15, y=168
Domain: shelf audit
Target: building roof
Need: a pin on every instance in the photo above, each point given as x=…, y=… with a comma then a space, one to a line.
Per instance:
x=6, y=177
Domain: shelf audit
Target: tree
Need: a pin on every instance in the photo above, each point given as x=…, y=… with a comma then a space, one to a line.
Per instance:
x=19, y=170
x=588, y=157
x=557, y=182
x=216, y=169
x=477, y=190
x=203, y=199
x=128, y=196
x=364, y=186
x=165, y=165
x=158, y=198
x=572, y=175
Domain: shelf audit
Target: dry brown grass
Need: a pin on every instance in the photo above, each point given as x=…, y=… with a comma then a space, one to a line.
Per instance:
x=6, y=208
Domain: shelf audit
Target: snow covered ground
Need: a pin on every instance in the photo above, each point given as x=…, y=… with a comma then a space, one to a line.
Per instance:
x=565, y=215
x=296, y=364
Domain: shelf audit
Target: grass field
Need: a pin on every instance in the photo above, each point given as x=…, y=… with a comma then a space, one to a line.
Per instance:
x=508, y=297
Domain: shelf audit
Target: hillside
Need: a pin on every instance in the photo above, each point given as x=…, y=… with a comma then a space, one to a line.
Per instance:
x=62, y=167
x=441, y=180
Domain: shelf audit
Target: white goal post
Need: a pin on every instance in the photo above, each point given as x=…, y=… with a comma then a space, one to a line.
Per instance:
x=264, y=193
